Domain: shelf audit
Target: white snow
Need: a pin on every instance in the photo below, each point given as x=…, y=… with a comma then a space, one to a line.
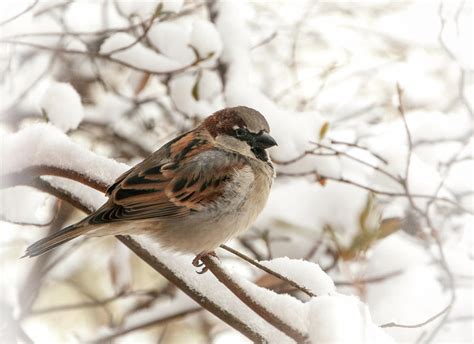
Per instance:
x=302, y=64
x=44, y=144
x=37, y=208
x=304, y=317
x=208, y=85
x=305, y=205
x=172, y=40
x=137, y=55
x=304, y=273
x=342, y=319
x=208, y=285
x=62, y=106
x=145, y=8
x=91, y=198
x=206, y=39
x=410, y=297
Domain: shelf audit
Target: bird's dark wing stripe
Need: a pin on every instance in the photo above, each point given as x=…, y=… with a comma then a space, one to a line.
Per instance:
x=125, y=193
x=120, y=179
x=187, y=197
x=193, y=181
x=188, y=148
x=143, y=179
x=153, y=170
x=180, y=184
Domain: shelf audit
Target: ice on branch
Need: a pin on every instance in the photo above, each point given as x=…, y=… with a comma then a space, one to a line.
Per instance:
x=62, y=106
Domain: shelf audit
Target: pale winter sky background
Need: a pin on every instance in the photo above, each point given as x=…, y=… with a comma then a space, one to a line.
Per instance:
x=371, y=213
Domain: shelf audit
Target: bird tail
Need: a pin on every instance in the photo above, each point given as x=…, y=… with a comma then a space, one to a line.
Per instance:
x=56, y=239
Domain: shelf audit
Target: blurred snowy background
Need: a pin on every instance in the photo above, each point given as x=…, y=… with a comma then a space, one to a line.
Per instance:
x=371, y=103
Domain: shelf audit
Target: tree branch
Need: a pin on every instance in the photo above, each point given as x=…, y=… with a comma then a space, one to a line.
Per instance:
x=159, y=266
x=213, y=265
x=27, y=175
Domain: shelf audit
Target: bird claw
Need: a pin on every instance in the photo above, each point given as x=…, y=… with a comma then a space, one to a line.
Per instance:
x=197, y=262
x=202, y=271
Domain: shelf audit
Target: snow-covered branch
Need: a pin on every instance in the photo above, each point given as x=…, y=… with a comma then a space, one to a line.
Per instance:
x=372, y=195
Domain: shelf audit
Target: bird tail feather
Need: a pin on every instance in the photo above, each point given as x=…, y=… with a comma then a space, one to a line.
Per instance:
x=55, y=239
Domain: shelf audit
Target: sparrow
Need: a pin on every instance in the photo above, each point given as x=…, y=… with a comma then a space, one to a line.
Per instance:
x=193, y=194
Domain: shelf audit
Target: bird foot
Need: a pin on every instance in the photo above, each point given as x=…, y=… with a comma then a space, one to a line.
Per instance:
x=197, y=262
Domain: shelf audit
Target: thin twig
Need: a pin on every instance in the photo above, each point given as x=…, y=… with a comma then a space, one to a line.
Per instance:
x=106, y=57
x=98, y=303
x=355, y=145
x=444, y=265
x=268, y=270
x=319, y=176
x=155, y=322
x=16, y=16
x=368, y=280
x=360, y=161
x=421, y=324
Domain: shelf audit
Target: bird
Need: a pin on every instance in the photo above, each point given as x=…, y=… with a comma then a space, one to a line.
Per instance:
x=193, y=194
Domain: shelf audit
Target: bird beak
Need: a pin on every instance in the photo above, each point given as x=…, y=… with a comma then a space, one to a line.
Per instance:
x=264, y=141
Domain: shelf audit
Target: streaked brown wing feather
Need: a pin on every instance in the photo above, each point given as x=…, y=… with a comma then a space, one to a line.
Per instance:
x=185, y=175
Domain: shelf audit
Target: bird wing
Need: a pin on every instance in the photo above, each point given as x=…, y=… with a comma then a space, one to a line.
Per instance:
x=185, y=175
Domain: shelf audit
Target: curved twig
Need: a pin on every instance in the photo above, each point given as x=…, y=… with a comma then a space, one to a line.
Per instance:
x=27, y=175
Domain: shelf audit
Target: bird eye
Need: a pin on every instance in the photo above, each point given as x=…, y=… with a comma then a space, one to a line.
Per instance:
x=240, y=132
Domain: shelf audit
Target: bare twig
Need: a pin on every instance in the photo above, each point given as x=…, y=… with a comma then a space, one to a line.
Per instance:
x=97, y=303
x=319, y=176
x=401, y=109
x=444, y=265
x=421, y=324
x=269, y=271
x=355, y=145
x=369, y=280
x=16, y=16
x=266, y=40
x=155, y=322
x=106, y=57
